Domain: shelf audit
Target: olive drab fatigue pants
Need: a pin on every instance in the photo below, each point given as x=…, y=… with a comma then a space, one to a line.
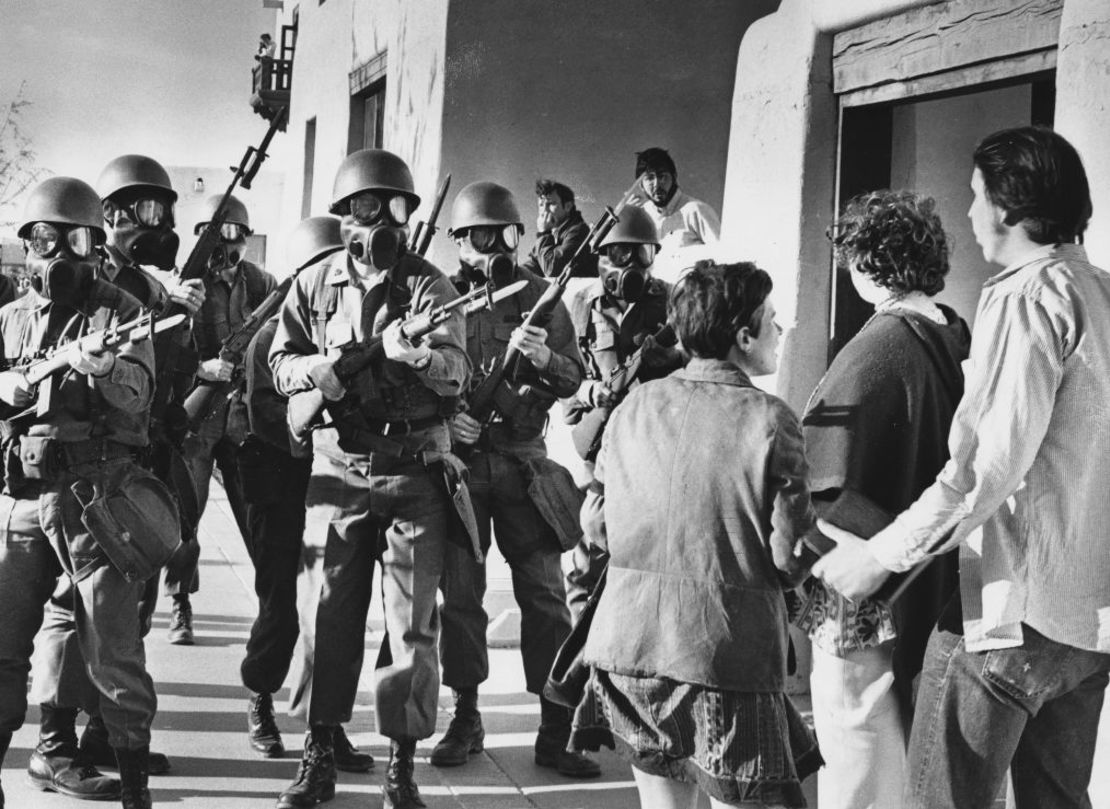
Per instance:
x=498, y=490
x=364, y=509
x=40, y=538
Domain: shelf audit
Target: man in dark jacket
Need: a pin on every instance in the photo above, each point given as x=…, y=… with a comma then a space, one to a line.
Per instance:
x=560, y=231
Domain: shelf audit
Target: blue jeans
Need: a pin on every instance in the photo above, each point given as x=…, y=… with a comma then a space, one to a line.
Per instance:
x=1034, y=709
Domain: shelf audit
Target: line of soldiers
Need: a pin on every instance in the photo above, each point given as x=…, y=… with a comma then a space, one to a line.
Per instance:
x=395, y=464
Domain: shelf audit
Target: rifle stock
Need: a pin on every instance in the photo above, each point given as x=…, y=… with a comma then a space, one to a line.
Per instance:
x=305, y=407
x=202, y=399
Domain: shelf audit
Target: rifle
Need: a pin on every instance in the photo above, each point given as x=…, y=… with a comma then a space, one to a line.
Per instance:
x=305, y=407
x=422, y=235
x=202, y=399
x=197, y=263
x=586, y=434
x=56, y=360
x=483, y=400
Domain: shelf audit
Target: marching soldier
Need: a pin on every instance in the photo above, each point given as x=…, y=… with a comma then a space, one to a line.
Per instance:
x=380, y=471
x=64, y=462
x=234, y=287
x=614, y=317
x=137, y=202
x=504, y=457
x=274, y=475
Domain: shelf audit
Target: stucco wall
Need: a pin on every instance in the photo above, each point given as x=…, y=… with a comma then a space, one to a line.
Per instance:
x=573, y=89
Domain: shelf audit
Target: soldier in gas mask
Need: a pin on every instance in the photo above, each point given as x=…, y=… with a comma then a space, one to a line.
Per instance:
x=504, y=457
x=233, y=288
x=614, y=317
x=381, y=464
x=137, y=215
x=59, y=461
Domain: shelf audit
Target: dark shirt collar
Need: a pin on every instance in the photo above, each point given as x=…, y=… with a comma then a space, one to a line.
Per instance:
x=573, y=218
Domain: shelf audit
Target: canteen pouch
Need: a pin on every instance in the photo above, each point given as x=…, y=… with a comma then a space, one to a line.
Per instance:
x=38, y=456
x=557, y=498
x=464, y=531
x=135, y=522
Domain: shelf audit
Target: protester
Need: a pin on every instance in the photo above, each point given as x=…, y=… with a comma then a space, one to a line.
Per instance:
x=876, y=433
x=560, y=231
x=700, y=498
x=1016, y=669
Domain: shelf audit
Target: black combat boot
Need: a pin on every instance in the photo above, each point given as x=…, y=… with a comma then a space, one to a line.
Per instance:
x=58, y=766
x=181, y=621
x=133, y=773
x=5, y=740
x=399, y=790
x=551, y=744
x=348, y=757
x=464, y=735
x=262, y=728
x=315, y=781
x=95, y=749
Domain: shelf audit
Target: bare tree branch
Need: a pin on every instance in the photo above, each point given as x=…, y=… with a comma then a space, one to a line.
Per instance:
x=18, y=169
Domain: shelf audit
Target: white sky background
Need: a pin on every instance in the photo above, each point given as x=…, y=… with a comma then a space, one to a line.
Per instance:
x=170, y=79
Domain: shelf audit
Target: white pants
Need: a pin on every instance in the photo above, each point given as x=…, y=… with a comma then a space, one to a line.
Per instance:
x=859, y=728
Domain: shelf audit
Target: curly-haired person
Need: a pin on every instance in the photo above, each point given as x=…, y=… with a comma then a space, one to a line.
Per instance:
x=875, y=432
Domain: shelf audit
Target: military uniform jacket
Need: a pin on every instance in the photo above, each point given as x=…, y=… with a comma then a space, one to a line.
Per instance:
x=536, y=389
x=328, y=308
x=607, y=336
x=114, y=407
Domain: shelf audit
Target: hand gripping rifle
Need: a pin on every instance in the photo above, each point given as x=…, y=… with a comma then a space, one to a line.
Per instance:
x=305, y=407
x=483, y=400
x=201, y=401
x=197, y=263
x=422, y=235
x=56, y=360
x=587, y=432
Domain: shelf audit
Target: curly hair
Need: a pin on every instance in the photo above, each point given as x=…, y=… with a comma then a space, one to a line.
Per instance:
x=896, y=239
x=712, y=302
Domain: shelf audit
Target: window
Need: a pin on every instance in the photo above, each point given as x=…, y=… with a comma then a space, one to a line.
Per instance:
x=366, y=124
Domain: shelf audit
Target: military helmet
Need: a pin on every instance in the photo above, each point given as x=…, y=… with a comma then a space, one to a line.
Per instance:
x=484, y=203
x=312, y=239
x=372, y=170
x=633, y=226
x=63, y=201
x=133, y=171
x=236, y=213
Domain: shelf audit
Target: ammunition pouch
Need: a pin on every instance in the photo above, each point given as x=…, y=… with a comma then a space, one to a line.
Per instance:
x=523, y=408
x=38, y=457
x=556, y=497
x=132, y=516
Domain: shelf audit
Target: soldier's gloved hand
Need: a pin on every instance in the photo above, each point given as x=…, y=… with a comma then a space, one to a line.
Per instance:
x=594, y=393
x=84, y=361
x=14, y=389
x=399, y=348
x=531, y=341
x=465, y=429
x=215, y=370
x=189, y=294
x=322, y=374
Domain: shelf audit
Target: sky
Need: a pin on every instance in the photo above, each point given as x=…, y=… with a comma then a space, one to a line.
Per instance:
x=166, y=78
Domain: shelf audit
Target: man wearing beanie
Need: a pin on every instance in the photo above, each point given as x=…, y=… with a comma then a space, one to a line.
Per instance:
x=688, y=228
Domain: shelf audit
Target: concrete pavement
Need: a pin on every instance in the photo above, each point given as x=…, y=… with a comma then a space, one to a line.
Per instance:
x=202, y=719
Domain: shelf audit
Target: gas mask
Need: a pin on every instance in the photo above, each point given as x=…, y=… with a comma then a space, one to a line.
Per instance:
x=62, y=261
x=142, y=231
x=487, y=253
x=374, y=228
x=626, y=270
x=233, y=244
